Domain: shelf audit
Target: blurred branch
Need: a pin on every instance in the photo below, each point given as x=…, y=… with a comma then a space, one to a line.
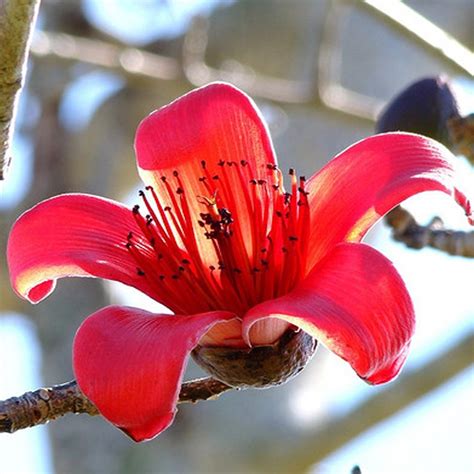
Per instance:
x=413, y=235
x=129, y=61
x=461, y=131
x=403, y=18
x=47, y=404
x=17, y=20
x=316, y=445
x=268, y=87
x=331, y=92
x=327, y=91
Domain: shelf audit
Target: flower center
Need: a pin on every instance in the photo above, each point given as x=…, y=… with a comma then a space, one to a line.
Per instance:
x=254, y=246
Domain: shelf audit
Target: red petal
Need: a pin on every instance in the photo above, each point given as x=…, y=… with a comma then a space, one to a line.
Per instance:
x=368, y=179
x=71, y=235
x=355, y=303
x=216, y=123
x=130, y=364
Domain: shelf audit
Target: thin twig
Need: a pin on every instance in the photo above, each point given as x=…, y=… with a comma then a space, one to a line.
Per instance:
x=17, y=20
x=47, y=404
x=413, y=235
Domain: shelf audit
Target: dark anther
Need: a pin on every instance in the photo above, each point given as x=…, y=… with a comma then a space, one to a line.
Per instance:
x=160, y=256
x=253, y=181
x=221, y=163
x=243, y=162
x=141, y=193
x=255, y=270
x=272, y=166
x=261, y=181
x=129, y=236
x=226, y=217
x=203, y=164
x=275, y=187
x=161, y=277
x=230, y=163
x=128, y=245
x=140, y=272
x=152, y=241
x=175, y=173
x=303, y=192
x=202, y=179
x=237, y=270
x=201, y=224
x=264, y=262
x=216, y=176
x=278, y=213
x=167, y=208
x=179, y=191
x=181, y=269
x=185, y=261
x=212, y=268
x=263, y=250
x=303, y=178
x=163, y=178
x=291, y=171
x=148, y=188
x=284, y=249
x=292, y=238
x=136, y=208
x=174, y=277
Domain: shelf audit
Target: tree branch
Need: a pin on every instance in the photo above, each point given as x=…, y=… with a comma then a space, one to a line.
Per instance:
x=407, y=230
x=47, y=404
x=17, y=20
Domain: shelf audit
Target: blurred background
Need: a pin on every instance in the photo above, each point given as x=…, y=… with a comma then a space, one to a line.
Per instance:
x=320, y=70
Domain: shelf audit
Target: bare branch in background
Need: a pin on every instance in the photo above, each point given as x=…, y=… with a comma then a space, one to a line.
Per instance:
x=47, y=404
x=17, y=21
x=405, y=19
x=129, y=61
x=300, y=456
x=413, y=235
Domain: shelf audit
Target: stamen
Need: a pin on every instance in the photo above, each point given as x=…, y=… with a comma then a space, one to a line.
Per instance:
x=259, y=237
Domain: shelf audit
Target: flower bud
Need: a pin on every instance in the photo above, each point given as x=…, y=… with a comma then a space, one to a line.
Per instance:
x=424, y=107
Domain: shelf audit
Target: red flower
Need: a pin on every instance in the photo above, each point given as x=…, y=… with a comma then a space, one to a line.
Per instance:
x=238, y=260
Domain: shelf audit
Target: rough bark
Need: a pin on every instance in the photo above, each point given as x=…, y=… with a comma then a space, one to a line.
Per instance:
x=17, y=21
x=46, y=404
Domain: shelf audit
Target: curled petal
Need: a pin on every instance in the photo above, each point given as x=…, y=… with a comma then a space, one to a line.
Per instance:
x=368, y=179
x=72, y=235
x=356, y=304
x=130, y=364
x=215, y=139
